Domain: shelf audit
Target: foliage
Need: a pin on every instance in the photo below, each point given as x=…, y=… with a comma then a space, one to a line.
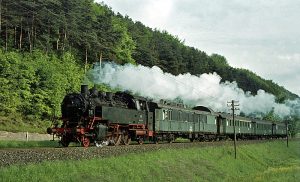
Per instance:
x=294, y=125
x=272, y=116
x=34, y=84
x=90, y=30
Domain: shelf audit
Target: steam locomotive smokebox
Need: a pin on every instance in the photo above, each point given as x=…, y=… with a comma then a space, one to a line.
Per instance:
x=84, y=90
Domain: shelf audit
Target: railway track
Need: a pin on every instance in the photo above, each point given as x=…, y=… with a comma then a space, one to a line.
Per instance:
x=37, y=155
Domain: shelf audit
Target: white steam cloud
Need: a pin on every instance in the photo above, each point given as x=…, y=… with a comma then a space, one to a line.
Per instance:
x=205, y=89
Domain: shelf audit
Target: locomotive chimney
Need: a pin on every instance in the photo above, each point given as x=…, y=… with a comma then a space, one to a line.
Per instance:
x=84, y=90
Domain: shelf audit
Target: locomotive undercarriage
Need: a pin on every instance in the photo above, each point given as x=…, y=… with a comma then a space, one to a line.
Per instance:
x=101, y=133
x=171, y=137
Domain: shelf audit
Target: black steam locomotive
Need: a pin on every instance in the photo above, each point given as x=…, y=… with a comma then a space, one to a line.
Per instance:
x=105, y=118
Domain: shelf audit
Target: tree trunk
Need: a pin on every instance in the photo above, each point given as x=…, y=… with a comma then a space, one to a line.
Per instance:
x=32, y=28
x=6, y=37
x=57, y=41
x=65, y=40
x=85, y=66
x=100, y=58
x=29, y=40
x=100, y=62
x=15, y=35
x=0, y=16
x=21, y=35
x=31, y=35
x=34, y=36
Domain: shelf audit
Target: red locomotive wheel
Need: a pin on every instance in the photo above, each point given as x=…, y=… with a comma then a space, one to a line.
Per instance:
x=85, y=142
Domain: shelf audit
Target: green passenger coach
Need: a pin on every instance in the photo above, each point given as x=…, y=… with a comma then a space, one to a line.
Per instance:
x=176, y=119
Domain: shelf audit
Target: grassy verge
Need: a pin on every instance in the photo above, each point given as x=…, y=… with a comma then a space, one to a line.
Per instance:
x=270, y=161
x=27, y=144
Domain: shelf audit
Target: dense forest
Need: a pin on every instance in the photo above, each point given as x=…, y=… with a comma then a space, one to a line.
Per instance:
x=48, y=45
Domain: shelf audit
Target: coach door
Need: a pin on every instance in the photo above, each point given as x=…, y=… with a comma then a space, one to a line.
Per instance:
x=254, y=127
x=221, y=125
x=201, y=122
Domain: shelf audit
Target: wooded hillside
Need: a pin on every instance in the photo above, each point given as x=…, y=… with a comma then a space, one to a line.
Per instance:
x=88, y=30
x=47, y=44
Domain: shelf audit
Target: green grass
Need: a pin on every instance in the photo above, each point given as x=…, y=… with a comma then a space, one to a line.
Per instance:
x=271, y=161
x=27, y=144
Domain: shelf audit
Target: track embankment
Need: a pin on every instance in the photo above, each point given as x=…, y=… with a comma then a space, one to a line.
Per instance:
x=36, y=155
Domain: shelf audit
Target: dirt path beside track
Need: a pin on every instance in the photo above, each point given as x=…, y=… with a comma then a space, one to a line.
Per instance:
x=24, y=136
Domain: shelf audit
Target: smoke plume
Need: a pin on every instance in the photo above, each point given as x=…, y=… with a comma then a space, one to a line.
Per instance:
x=205, y=89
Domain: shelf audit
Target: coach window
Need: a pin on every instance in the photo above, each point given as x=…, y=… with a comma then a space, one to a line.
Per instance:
x=179, y=115
x=170, y=114
x=165, y=114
